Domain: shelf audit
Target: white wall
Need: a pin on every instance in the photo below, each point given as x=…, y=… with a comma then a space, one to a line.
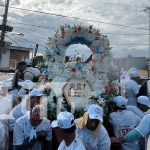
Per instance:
x=5, y=59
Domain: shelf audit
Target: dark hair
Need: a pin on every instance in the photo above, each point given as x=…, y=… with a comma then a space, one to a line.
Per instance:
x=21, y=63
x=119, y=108
x=70, y=130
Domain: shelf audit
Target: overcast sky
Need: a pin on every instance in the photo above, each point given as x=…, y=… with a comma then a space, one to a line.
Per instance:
x=105, y=15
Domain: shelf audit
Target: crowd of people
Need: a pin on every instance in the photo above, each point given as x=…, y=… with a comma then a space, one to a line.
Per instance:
x=24, y=124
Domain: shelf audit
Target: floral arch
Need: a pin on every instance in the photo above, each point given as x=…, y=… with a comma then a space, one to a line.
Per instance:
x=95, y=72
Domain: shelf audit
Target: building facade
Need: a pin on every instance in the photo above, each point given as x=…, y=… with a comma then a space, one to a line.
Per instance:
x=12, y=55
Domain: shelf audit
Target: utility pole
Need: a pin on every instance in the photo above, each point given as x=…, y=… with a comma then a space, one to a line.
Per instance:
x=4, y=26
x=36, y=49
x=3, y=29
x=147, y=9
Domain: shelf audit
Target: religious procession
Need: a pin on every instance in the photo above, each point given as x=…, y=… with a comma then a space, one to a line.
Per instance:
x=71, y=104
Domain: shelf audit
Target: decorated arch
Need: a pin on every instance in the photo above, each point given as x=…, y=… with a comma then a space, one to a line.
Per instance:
x=95, y=73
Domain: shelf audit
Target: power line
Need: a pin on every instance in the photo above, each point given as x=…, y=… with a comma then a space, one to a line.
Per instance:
x=58, y=28
x=118, y=34
x=116, y=3
x=29, y=31
x=126, y=34
x=33, y=25
x=112, y=4
x=110, y=34
x=91, y=7
x=21, y=35
x=129, y=44
x=30, y=41
x=82, y=19
x=13, y=41
x=77, y=18
x=109, y=3
x=47, y=38
x=136, y=1
x=116, y=11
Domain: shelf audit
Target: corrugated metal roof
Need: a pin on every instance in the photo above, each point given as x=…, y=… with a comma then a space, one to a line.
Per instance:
x=20, y=48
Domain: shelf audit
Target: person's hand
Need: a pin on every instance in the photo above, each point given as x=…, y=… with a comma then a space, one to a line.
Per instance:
x=116, y=140
x=41, y=135
x=143, y=83
x=58, y=134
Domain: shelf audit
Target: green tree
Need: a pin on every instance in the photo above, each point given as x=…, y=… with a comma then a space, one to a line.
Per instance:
x=37, y=60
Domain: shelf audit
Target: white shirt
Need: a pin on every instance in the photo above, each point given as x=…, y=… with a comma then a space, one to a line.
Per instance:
x=23, y=128
x=18, y=111
x=15, y=114
x=2, y=137
x=132, y=88
x=28, y=74
x=5, y=104
x=123, y=122
x=136, y=111
x=21, y=92
x=141, y=114
x=101, y=142
x=7, y=121
x=75, y=145
x=35, y=72
x=122, y=87
x=144, y=127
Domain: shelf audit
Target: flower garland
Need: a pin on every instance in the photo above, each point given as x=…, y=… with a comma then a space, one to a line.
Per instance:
x=95, y=72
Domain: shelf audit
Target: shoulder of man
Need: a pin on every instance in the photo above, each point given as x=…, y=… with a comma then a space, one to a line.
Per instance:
x=28, y=72
x=46, y=121
x=79, y=144
x=22, y=119
x=16, y=108
x=44, y=125
x=130, y=82
x=103, y=133
x=36, y=71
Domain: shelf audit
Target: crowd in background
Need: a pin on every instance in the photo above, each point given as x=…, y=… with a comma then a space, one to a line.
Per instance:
x=24, y=124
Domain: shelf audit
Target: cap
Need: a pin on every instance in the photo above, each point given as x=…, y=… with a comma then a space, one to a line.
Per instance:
x=144, y=100
x=65, y=120
x=28, y=62
x=27, y=84
x=95, y=112
x=120, y=101
x=134, y=74
x=6, y=83
x=35, y=92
